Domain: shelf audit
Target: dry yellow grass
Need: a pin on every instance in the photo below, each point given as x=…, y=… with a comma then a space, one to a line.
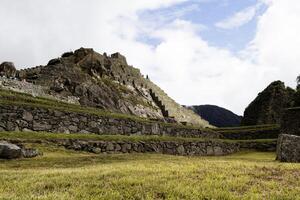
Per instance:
x=64, y=174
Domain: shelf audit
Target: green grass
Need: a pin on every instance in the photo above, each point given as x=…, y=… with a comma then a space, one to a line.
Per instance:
x=65, y=174
x=132, y=138
x=248, y=128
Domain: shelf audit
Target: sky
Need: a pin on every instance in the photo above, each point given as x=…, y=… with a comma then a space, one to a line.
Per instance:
x=221, y=52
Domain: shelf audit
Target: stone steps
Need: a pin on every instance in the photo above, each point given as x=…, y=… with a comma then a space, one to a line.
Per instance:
x=173, y=109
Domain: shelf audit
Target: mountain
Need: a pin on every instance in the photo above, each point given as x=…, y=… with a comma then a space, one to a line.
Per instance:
x=268, y=106
x=217, y=116
x=103, y=81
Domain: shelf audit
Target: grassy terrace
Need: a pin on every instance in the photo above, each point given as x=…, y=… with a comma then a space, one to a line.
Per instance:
x=132, y=138
x=248, y=128
x=22, y=99
x=66, y=174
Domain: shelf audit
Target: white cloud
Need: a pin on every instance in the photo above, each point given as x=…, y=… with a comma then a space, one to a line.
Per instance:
x=183, y=63
x=238, y=19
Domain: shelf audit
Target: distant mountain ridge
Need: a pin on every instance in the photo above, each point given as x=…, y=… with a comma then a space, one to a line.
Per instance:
x=217, y=116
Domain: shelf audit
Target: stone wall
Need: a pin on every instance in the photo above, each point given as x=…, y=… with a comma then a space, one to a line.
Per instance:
x=25, y=118
x=199, y=148
x=290, y=123
x=288, y=148
x=204, y=148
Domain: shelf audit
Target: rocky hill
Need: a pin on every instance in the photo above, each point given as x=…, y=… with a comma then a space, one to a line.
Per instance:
x=217, y=116
x=91, y=79
x=269, y=105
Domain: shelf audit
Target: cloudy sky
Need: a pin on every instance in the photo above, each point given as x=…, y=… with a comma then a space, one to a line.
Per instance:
x=219, y=52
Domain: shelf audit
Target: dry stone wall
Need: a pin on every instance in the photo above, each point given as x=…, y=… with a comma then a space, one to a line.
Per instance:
x=26, y=118
x=203, y=148
x=184, y=148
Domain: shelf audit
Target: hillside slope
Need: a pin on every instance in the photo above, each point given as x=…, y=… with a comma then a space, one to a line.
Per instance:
x=268, y=106
x=217, y=116
x=107, y=82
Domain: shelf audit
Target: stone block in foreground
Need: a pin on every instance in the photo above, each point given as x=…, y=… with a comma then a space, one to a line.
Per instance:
x=288, y=148
x=9, y=151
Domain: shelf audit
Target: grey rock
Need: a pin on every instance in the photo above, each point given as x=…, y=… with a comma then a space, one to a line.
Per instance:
x=110, y=146
x=96, y=150
x=218, y=151
x=30, y=153
x=9, y=151
x=209, y=150
x=8, y=69
x=288, y=148
x=180, y=149
x=10, y=126
x=27, y=116
x=73, y=129
x=37, y=126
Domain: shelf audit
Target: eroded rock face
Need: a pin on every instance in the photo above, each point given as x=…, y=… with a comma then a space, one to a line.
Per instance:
x=109, y=83
x=8, y=69
x=288, y=148
x=269, y=105
x=101, y=81
x=9, y=151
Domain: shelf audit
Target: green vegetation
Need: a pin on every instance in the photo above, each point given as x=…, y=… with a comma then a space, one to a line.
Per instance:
x=65, y=174
x=255, y=127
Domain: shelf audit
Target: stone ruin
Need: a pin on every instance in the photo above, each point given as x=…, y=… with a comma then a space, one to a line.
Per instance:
x=79, y=74
x=288, y=144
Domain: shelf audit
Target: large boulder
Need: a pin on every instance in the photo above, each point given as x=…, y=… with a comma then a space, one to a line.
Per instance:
x=9, y=151
x=288, y=148
x=8, y=69
x=269, y=105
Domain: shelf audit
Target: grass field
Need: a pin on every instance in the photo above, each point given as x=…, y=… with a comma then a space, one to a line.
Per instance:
x=66, y=174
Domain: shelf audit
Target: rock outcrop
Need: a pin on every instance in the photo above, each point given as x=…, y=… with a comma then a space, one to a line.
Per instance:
x=269, y=105
x=217, y=116
x=288, y=148
x=106, y=82
x=97, y=81
x=8, y=69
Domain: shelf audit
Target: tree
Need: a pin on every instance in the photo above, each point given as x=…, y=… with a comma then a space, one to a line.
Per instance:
x=298, y=82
